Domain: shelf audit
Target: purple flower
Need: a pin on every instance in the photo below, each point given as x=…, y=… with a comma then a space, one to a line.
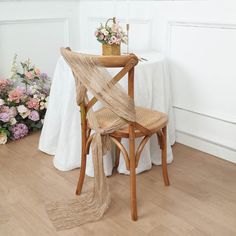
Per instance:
x=34, y=116
x=5, y=117
x=43, y=76
x=19, y=131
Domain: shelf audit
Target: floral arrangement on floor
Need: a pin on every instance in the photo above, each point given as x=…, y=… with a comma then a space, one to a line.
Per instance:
x=23, y=101
x=113, y=34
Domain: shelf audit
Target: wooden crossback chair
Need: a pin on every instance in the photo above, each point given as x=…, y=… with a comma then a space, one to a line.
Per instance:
x=148, y=122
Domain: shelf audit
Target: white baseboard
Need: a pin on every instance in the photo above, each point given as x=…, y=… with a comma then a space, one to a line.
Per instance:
x=208, y=146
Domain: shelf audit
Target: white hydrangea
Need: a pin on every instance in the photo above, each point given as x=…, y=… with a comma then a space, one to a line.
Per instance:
x=104, y=31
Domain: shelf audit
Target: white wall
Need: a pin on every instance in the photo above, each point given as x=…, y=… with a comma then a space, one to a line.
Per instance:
x=37, y=29
x=199, y=38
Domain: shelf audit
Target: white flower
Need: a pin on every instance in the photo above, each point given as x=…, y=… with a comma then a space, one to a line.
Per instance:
x=25, y=114
x=104, y=31
x=24, y=111
x=46, y=105
x=42, y=97
x=42, y=105
x=1, y=102
x=12, y=121
x=3, y=138
x=32, y=89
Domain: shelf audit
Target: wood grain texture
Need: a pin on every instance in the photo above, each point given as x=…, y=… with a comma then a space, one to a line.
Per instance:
x=200, y=201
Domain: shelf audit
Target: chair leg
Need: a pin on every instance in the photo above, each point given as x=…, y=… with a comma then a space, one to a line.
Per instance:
x=133, y=197
x=117, y=160
x=83, y=154
x=82, y=173
x=164, y=157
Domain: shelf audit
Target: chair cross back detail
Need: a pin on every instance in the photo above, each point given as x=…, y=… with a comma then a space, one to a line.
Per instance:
x=127, y=64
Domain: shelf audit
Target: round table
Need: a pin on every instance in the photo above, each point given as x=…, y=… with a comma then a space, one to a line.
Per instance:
x=60, y=135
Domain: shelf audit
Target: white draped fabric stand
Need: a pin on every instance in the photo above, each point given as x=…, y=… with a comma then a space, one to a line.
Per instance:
x=60, y=135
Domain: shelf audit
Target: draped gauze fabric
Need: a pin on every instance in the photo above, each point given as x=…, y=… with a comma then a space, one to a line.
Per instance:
x=91, y=76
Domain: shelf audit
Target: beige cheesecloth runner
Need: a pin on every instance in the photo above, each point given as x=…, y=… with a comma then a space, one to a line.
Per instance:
x=90, y=75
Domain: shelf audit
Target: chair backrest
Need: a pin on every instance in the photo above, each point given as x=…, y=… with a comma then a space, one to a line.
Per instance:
x=90, y=74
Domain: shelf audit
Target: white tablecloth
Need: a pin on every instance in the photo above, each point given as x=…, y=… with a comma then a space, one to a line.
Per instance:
x=60, y=135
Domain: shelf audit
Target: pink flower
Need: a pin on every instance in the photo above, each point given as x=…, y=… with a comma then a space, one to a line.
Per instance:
x=96, y=33
x=4, y=109
x=101, y=37
x=115, y=27
x=4, y=83
x=33, y=103
x=15, y=95
x=28, y=74
x=118, y=41
x=113, y=39
x=12, y=112
x=37, y=71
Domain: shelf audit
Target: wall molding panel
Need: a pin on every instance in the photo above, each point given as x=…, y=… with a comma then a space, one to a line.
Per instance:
x=220, y=138
x=64, y=20
x=232, y=121
x=37, y=35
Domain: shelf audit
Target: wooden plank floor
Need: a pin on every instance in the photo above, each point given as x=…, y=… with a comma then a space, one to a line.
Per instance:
x=200, y=201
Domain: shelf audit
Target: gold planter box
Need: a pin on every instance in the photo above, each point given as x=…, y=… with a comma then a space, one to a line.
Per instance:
x=113, y=49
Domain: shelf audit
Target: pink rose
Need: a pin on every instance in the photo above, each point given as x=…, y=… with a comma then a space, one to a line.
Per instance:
x=15, y=95
x=37, y=71
x=4, y=83
x=4, y=109
x=5, y=86
x=28, y=74
x=12, y=111
x=33, y=103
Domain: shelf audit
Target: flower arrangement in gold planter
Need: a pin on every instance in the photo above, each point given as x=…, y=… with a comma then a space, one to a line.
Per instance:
x=111, y=36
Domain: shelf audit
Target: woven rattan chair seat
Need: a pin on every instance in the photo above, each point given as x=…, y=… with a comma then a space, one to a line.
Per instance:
x=148, y=118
